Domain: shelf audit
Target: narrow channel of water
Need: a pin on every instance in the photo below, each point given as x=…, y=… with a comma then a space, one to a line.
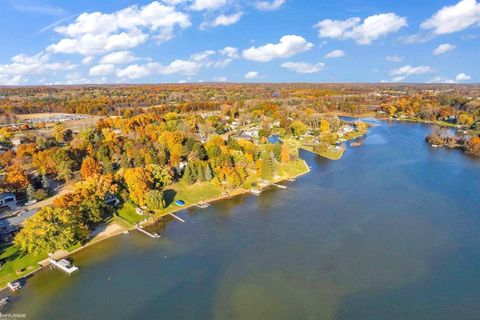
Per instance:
x=391, y=231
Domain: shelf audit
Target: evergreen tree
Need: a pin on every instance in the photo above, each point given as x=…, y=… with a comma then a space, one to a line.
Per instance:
x=208, y=172
x=45, y=183
x=30, y=192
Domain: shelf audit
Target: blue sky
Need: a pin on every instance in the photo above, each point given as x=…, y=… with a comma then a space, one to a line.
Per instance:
x=77, y=42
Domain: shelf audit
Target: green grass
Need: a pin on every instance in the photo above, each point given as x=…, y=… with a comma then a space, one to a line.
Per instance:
x=329, y=153
x=17, y=264
x=128, y=213
x=190, y=194
x=294, y=168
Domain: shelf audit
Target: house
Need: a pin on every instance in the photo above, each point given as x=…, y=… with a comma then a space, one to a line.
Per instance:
x=112, y=200
x=8, y=227
x=8, y=200
x=16, y=141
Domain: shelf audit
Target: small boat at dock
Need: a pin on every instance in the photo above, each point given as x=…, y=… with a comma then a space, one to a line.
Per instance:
x=64, y=265
x=14, y=285
x=3, y=302
x=203, y=205
x=256, y=192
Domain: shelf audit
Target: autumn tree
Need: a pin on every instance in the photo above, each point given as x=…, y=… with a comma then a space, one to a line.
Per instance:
x=299, y=128
x=16, y=178
x=49, y=230
x=139, y=181
x=90, y=167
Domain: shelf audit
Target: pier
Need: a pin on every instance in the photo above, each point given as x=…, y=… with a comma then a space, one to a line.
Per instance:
x=151, y=235
x=64, y=265
x=280, y=186
x=176, y=217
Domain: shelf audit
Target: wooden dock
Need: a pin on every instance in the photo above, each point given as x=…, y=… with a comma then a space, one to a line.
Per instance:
x=151, y=235
x=63, y=265
x=176, y=217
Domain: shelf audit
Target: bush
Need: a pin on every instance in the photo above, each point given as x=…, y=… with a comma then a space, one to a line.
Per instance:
x=40, y=194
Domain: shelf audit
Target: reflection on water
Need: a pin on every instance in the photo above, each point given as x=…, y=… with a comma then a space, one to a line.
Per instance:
x=391, y=231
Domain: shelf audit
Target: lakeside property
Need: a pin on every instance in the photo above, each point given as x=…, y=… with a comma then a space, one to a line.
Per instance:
x=18, y=264
x=322, y=235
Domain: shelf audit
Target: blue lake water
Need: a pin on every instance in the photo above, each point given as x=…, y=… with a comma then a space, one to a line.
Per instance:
x=390, y=231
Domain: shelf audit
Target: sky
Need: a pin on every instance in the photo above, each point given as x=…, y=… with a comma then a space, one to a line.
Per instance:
x=175, y=41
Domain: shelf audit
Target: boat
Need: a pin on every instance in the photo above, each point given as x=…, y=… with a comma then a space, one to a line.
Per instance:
x=203, y=205
x=3, y=302
x=14, y=285
x=256, y=191
x=180, y=203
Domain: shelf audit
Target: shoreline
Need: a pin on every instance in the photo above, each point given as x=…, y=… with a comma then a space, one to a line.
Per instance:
x=92, y=242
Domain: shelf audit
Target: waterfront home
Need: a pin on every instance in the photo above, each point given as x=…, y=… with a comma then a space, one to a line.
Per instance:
x=8, y=227
x=16, y=141
x=8, y=200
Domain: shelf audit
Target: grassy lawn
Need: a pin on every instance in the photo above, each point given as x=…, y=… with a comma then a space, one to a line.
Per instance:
x=190, y=194
x=17, y=264
x=128, y=213
x=329, y=153
x=294, y=168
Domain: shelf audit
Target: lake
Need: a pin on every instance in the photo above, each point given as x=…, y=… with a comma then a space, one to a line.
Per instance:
x=390, y=231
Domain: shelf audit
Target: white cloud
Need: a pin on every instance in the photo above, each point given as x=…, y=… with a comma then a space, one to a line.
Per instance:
x=230, y=52
x=119, y=57
x=11, y=81
x=222, y=20
x=288, y=46
x=395, y=58
x=202, y=56
x=90, y=44
x=135, y=71
x=101, y=70
x=33, y=65
x=398, y=79
x=199, y=5
x=408, y=70
x=88, y=60
x=269, y=5
x=97, y=32
x=463, y=77
x=251, y=75
x=219, y=79
x=39, y=8
x=335, y=54
x=303, y=67
x=184, y=67
x=441, y=49
x=439, y=79
x=372, y=28
x=454, y=18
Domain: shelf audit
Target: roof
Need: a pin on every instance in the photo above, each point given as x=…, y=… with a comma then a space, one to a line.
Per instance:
x=6, y=194
x=19, y=219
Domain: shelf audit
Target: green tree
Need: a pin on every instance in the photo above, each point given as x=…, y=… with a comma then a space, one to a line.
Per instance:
x=154, y=200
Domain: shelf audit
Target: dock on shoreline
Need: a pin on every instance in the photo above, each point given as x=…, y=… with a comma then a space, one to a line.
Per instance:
x=151, y=235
